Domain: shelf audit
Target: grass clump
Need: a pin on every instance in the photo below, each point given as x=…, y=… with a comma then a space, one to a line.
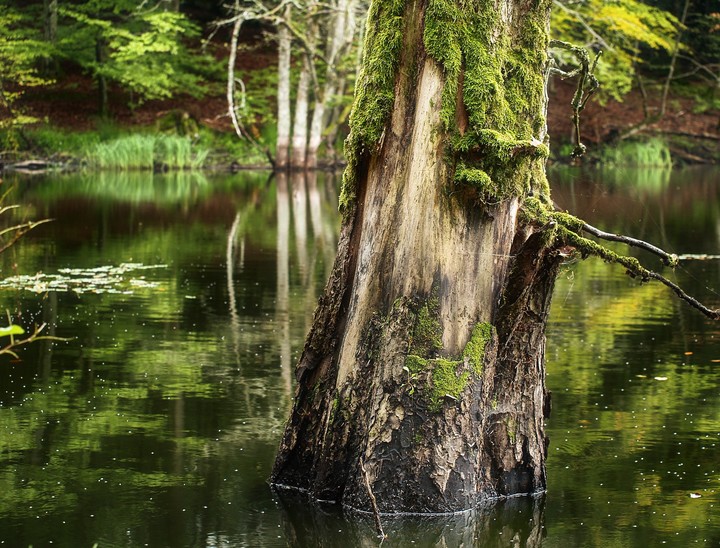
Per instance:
x=650, y=153
x=146, y=152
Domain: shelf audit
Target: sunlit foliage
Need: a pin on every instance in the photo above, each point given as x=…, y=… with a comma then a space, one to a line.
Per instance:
x=622, y=29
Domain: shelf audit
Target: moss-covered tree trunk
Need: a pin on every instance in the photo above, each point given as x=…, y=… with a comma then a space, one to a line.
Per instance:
x=422, y=380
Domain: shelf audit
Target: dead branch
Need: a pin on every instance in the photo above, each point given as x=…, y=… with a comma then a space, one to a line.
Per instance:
x=373, y=502
x=587, y=85
x=667, y=258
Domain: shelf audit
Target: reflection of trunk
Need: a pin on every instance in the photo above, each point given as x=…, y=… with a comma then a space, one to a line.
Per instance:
x=230, y=279
x=425, y=362
x=299, y=140
x=282, y=309
x=315, y=208
x=517, y=521
x=336, y=46
x=283, y=95
x=299, y=203
x=178, y=419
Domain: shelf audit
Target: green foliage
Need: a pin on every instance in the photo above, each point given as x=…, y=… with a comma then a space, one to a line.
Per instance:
x=21, y=50
x=621, y=28
x=142, y=49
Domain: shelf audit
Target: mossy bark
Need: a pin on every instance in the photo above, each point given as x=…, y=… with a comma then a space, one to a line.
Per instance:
x=424, y=368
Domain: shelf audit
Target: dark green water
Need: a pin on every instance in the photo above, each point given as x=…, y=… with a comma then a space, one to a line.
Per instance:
x=158, y=423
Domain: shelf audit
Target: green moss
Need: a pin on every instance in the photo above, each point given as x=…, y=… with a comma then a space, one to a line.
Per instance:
x=567, y=232
x=374, y=92
x=475, y=348
x=426, y=338
x=500, y=71
x=496, y=71
x=446, y=381
x=450, y=377
x=415, y=364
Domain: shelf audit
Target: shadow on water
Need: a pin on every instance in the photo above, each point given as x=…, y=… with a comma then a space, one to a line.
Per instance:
x=517, y=521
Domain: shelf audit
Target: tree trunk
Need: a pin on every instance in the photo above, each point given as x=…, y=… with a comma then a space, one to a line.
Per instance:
x=283, y=95
x=50, y=8
x=100, y=55
x=300, y=125
x=423, y=374
x=337, y=43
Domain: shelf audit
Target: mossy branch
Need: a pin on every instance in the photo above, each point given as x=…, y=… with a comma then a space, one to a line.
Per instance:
x=567, y=232
x=587, y=85
x=668, y=259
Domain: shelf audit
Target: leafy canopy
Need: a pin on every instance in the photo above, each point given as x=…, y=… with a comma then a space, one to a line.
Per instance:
x=21, y=51
x=143, y=49
x=621, y=29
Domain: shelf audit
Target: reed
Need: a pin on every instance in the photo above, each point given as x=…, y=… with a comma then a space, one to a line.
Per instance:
x=146, y=152
x=650, y=153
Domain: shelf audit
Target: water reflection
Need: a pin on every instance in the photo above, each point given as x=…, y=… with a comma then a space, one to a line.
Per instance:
x=517, y=521
x=158, y=424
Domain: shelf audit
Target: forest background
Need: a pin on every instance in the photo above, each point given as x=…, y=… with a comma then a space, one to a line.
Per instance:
x=235, y=83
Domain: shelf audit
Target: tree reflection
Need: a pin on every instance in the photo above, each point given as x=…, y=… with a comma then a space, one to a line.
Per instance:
x=514, y=522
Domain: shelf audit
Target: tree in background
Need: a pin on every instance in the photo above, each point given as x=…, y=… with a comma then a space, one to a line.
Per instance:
x=141, y=45
x=624, y=30
x=319, y=38
x=22, y=50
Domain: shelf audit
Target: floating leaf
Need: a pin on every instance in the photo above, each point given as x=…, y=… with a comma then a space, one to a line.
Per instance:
x=11, y=330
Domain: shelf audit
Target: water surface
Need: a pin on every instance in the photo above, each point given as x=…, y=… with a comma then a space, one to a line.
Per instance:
x=158, y=423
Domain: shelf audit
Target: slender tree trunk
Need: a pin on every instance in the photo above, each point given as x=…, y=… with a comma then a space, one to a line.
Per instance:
x=283, y=95
x=422, y=380
x=300, y=125
x=101, y=80
x=673, y=59
x=337, y=43
x=50, y=8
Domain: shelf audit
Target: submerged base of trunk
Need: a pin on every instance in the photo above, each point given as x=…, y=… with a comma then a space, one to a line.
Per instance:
x=421, y=383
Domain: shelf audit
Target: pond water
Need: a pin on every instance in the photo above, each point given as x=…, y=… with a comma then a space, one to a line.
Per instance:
x=187, y=299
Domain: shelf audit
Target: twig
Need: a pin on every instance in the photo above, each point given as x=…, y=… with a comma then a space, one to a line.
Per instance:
x=373, y=502
x=587, y=85
x=634, y=268
x=20, y=231
x=35, y=336
x=668, y=258
x=692, y=301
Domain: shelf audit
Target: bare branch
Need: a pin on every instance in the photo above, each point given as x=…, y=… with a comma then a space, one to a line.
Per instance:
x=580, y=19
x=668, y=258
